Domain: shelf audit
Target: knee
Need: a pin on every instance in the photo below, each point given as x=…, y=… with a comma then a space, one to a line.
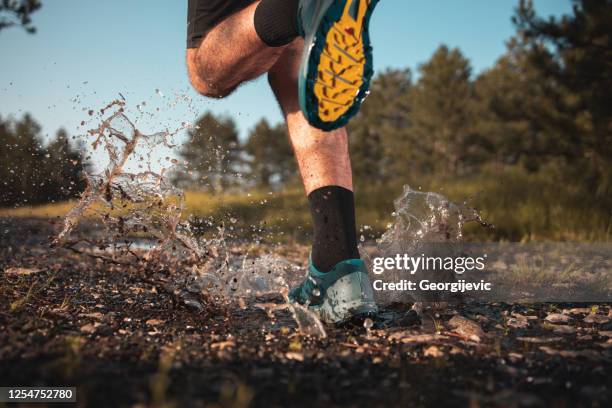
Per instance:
x=209, y=84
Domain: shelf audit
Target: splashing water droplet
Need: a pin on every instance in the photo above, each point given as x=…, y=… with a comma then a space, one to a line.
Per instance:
x=145, y=203
x=421, y=220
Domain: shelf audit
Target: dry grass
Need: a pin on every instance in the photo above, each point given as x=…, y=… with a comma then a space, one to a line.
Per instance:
x=51, y=210
x=523, y=207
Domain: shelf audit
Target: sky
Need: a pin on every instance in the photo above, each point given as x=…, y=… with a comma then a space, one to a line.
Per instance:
x=85, y=53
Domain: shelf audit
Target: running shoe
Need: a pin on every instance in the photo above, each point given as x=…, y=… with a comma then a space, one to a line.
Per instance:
x=336, y=66
x=341, y=295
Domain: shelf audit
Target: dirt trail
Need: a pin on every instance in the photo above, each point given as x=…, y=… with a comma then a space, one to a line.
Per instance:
x=123, y=339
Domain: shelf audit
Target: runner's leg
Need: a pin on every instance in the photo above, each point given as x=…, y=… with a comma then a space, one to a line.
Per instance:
x=325, y=167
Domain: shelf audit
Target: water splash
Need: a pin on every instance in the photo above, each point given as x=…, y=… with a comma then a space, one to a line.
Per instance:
x=143, y=207
x=142, y=203
x=140, y=213
x=422, y=221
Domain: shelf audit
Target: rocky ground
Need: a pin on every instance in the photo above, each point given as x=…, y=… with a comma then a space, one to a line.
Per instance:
x=125, y=337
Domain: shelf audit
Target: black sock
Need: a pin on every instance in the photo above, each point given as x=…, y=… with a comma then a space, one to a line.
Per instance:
x=333, y=218
x=276, y=21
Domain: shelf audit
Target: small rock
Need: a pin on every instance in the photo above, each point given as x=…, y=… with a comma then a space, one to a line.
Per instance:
x=408, y=337
x=194, y=305
x=557, y=318
x=605, y=333
x=515, y=356
x=456, y=350
x=294, y=355
x=539, y=340
x=21, y=271
x=467, y=328
x=88, y=328
x=517, y=322
x=153, y=322
x=577, y=311
x=563, y=329
x=596, y=319
x=433, y=351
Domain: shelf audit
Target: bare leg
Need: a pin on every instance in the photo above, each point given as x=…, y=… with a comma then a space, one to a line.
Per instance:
x=230, y=54
x=323, y=157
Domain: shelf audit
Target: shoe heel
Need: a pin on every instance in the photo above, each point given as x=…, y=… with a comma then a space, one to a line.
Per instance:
x=349, y=296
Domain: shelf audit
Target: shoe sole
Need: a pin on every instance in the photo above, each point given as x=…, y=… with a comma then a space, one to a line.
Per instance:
x=337, y=64
x=350, y=297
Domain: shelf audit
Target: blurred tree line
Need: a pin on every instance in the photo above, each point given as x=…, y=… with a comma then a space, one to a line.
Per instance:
x=34, y=172
x=544, y=108
x=545, y=105
x=217, y=160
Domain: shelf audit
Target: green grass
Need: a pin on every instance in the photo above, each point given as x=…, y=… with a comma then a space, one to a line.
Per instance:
x=522, y=206
x=530, y=207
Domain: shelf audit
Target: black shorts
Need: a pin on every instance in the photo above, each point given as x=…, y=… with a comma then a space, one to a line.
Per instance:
x=202, y=15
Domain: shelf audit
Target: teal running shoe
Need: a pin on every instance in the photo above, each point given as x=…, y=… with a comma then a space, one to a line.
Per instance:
x=337, y=296
x=336, y=66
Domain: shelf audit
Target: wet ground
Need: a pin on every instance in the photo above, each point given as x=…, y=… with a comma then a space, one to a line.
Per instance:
x=124, y=336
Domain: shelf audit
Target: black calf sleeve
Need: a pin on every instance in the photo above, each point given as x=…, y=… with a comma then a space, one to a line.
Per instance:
x=335, y=235
x=276, y=21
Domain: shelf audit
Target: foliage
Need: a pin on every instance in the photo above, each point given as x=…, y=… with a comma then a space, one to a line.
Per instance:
x=575, y=52
x=441, y=121
x=32, y=172
x=271, y=161
x=18, y=12
x=378, y=134
x=530, y=139
x=213, y=153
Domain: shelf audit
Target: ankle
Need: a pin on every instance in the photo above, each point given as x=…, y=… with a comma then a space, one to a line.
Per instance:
x=335, y=236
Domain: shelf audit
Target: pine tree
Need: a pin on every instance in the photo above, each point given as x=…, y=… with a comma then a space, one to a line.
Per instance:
x=441, y=118
x=34, y=173
x=271, y=159
x=378, y=133
x=18, y=12
x=576, y=52
x=213, y=153
x=64, y=168
x=514, y=105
